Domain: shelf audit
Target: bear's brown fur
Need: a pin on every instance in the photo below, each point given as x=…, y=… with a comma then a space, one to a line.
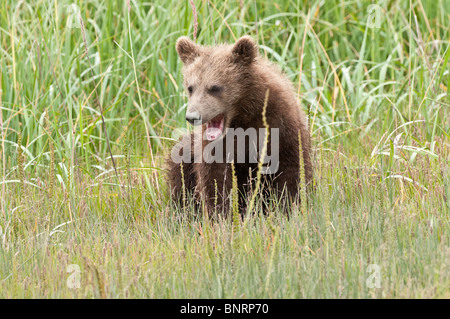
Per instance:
x=231, y=81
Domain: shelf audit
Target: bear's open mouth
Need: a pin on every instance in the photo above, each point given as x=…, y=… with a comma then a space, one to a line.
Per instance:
x=214, y=128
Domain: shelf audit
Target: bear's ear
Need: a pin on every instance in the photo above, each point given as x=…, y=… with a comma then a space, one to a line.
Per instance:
x=244, y=50
x=187, y=50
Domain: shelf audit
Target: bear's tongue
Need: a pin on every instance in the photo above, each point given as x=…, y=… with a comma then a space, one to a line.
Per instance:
x=214, y=128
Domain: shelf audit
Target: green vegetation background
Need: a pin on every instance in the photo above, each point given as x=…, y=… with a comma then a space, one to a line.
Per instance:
x=72, y=93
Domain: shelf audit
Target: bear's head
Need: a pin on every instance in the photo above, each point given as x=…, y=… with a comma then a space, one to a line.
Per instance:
x=216, y=78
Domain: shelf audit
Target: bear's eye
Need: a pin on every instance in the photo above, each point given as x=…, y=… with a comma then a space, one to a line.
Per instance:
x=190, y=89
x=215, y=89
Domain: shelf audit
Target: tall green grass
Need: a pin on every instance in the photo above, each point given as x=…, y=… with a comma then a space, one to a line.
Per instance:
x=378, y=107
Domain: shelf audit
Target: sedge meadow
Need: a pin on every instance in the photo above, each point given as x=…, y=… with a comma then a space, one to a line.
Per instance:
x=92, y=100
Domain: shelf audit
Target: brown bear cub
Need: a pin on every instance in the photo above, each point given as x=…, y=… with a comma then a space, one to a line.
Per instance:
x=229, y=87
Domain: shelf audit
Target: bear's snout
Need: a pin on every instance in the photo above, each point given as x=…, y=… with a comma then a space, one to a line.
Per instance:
x=193, y=117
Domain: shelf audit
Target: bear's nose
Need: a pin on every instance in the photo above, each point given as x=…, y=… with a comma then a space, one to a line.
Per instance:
x=193, y=117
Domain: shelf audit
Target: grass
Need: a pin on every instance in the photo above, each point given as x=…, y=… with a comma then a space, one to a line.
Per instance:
x=378, y=106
